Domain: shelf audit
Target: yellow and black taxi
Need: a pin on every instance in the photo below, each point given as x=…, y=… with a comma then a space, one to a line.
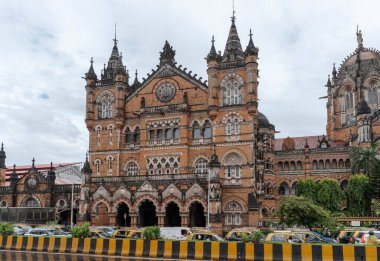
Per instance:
x=236, y=234
x=97, y=233
x=283, y=237
x=135, y=234
x=204, y=236
x=121, y=232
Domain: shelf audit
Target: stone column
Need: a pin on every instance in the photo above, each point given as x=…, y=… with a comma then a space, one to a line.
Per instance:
x=184, y=219
x=112, y=217
x=161, y=219
x=134, y=222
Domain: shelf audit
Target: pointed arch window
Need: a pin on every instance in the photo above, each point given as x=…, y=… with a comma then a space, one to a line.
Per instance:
x=201, y=166
x=207, y=130
x=373, y=93
x=97, y=166
x=128, y=136
x=136, y=135
x=232, y=93
x=110, y=128
x=232, y=166
x=110, y=163
x=104, y=102
x=233, y=211
x=196, y=131
x=132, y=169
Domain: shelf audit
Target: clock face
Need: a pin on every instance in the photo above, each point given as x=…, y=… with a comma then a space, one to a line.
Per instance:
x=32, y=183
x=165, y=92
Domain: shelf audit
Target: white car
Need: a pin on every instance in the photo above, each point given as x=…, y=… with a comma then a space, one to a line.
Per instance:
x=45, y=232
x=175, y=233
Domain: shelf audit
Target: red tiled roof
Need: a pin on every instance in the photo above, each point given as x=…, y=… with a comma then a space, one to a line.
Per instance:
x=299, y=142
x=41, y=167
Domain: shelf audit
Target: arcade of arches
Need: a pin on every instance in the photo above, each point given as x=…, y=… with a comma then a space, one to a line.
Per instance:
x=147, y=214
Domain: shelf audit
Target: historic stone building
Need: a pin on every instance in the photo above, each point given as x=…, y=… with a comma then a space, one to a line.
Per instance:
x=152, y=143
x=33, y=195
x=352, y=120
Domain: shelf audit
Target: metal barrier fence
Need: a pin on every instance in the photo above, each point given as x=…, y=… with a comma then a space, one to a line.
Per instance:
x=201, y=250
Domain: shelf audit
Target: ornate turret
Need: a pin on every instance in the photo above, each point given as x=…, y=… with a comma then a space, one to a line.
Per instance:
x=91, y=75
x=213, y=55
x=233, y=50
x=2, y=157
x=51, y=174
x=167, y=54
x=14, y=177
x=251, y=49
x=328, y=84
x=334, y=72
x=136, y=82
x=86, y=166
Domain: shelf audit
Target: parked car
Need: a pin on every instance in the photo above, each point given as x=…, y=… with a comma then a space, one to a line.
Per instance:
x=313, y=237
x=121, y=233
x=109, y=230
x=45, y=232
x=97, y=233
x=283, y=237
x=135, y=234
x=236, y=234
x=344, y=236
x=204, y=236
x=175, y=233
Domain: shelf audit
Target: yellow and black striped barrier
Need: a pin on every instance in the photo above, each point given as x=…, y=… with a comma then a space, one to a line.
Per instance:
x=191, y=249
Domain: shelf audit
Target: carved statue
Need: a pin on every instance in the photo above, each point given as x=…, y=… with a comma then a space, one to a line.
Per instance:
x=359, y=36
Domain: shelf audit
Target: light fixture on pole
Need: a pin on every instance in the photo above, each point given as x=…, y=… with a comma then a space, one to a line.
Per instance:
x=213, y=177
x=72, y=205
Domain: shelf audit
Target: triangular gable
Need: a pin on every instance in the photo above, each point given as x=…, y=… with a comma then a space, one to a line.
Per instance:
x=146, y=187
x=172, y=190
x=168, y=70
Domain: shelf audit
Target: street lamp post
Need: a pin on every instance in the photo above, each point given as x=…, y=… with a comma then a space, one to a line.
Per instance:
x=208, y=201
x=72, y=204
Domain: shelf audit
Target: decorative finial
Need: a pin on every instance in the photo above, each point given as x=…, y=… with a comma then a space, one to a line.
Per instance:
x=33, y=160
x=213, y=40
x=115, y=39
x=92, y=60
x=250, y=33
x=14, y=167
x=233, y=18
x=2, y=146
x=136, y=73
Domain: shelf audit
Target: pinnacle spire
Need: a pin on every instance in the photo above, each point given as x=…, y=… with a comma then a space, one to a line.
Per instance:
x=2, y=146
x=233, y=50
x=334, y=73
x=251, y=49
x=91, y=72
x=328, y=84
x=167, y=54
x=2, y=157
x=212, y=55
x=136, y=82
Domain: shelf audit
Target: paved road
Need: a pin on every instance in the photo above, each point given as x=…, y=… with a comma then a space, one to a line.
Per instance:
x=34, y=256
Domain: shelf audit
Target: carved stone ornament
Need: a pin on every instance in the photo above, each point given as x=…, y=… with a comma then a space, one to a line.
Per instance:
x=32, y=182
x=165, y=92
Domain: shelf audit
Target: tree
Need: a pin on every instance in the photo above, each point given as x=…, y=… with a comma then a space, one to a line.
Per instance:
x=359, y=195
x=329, y=194
x=302, y=211
x=364, y=160
x=306, y=188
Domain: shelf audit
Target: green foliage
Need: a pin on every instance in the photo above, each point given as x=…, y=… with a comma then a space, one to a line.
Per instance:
x=302, y=211
x=254, y=237
x=51, y=223
x=364, y=160
x=376, y=207
x=266, y=231
x=329, y=194
x=358, y=195
x=6, y=229
x=152, y=233
x=81, y=231
x=306, y=188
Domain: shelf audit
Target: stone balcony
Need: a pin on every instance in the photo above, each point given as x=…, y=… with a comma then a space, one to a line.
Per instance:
x=159, y=179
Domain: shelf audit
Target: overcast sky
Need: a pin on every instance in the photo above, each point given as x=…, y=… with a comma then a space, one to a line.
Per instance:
x=46, y=47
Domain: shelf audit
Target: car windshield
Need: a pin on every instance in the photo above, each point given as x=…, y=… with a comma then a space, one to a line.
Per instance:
x=104, y=234
x=218, y=238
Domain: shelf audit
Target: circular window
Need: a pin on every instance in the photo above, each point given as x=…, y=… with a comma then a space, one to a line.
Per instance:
x=61, y=203
x=165, y=92
x=3, y=204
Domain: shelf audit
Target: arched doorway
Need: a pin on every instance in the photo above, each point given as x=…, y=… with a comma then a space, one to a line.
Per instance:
x=123, y=218
x=172, y=217
x=147, y=214
x=197, y=215
x=65, y=217
x=101, y=215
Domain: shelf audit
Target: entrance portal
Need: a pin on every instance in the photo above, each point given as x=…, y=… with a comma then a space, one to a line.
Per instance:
x=147, y=214
x=197, y=215
x=172, y=217
x=65, y=217
x=122, y=217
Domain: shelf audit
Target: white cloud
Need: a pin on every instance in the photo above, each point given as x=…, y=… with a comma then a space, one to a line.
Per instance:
x=46, y=47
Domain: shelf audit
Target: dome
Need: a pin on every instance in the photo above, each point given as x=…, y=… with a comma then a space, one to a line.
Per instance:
x=264, y=122
x=365, y=54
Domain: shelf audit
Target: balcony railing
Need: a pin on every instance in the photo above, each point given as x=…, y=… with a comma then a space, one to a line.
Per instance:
x=5, y=190
x=67, y=188
x=165, y=108
x=142, y=178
